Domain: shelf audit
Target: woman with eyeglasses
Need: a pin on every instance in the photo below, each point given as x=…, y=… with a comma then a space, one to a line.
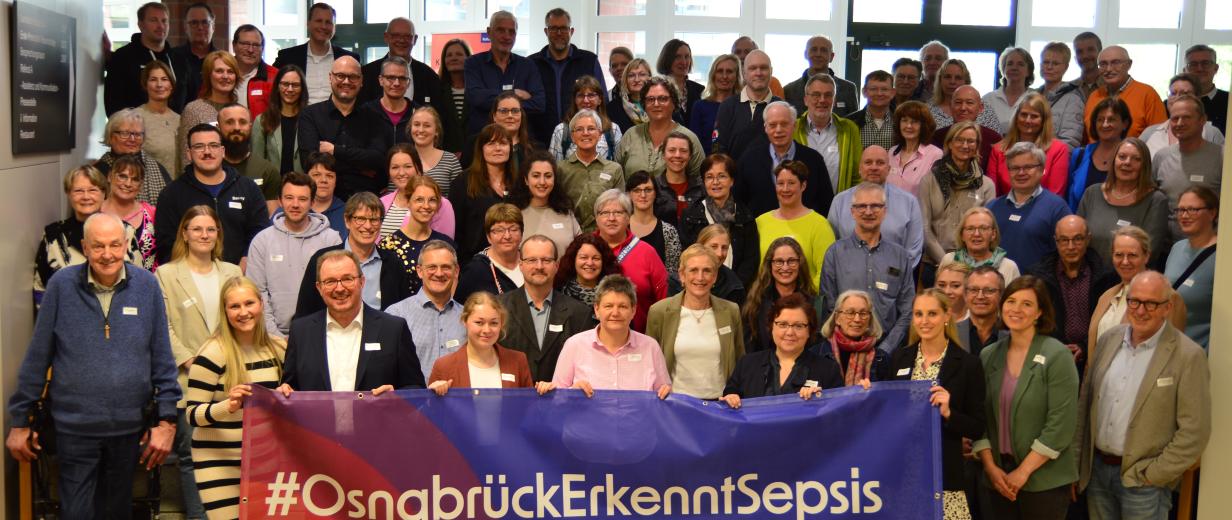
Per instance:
x=507, y=112
x=274, y=137
x=934, y=354
x=587, y=95
x=1089, y=165
x=220, y=75
x=485, y=182
x=850, y=336
x=158, y=81
x=405, y=242
x=639, y=262
x=1028, y=450
x=1129, y=196
x=1191, y=263
x=956, y=185
x=722, y=82
x=1130, y=251
x=450, y=102
x=626, y=108
x=979, y=241
x=495, y=269
x=784, y=271
x=126, y=135
x=405, y=165
x=481, y=362
x=794, y=219
x=719, y=207
x=646, y=222
x=641, y=148
x=790, y=367
x=700, y=332
x=124, y=182
x=425, y=132
x=727, y=285
x=586, y=261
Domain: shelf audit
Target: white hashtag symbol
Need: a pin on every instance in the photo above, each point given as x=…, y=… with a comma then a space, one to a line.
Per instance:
x=282, y=494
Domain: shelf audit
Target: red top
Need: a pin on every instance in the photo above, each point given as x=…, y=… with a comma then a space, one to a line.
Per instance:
x=643, y=267
x=681, y=203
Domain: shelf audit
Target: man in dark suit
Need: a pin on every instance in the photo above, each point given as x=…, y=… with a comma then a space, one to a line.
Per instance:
x=348, y=346
x=541, y=318
x=740, y=118
x=400, y=36
x=754, y=171
x=387, y=283
x=317, y=55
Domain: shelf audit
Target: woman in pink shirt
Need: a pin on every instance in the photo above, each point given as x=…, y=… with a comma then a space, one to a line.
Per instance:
x=912, y=156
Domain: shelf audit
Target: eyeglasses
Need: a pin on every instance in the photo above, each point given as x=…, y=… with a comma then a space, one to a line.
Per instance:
x=201, y=147
x=504, y=231
x=538, y=261
x=401, y=36
x=1185, y=212
x=638, y=75
x=346, y=78
x=785, y=262
x=1199, y=64
x=126, y=178
x=794, y=327
x=719, y=177
x=509, y=111
x=658, y=100
x=559, y=29
x=982, y=230
x=983, y=291
x=864, y=315
x=371, y=221
x=332, y=283
x=611, y=213
x=1150, y=305
x=395, y=79
x=586, y=129
x=434, y=268
x=1103, y=64
x=290, y=85
x=247, y=45
x=861, y=208
x=128, y=135
x=587, y=95
x=1024, y=168
x=642, y=191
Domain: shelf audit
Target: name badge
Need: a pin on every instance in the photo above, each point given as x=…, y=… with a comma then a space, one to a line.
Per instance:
x=508, y=377
x=809, y=383
x=1197, y=178
x=882, y=286
x=1039, y=358
x=1163, y=381
x=1015, y=218
x=130, y=311
x=1122, y=222
x=235, y=205
x=427, y=99
x=831, y=149
x=605, y=176
x=378, y=295
x=259, y=182
x=275, y=258
x=372, y=347
x=634, y=358
x=974, y=195
x=680, y=198
x=189, y=302
x=558, y=225
x=724, y=330
x=1188, y=283
x=904, y=372
x=507, y=87
x=451, y=343
x=555, y=327
x=257, y=92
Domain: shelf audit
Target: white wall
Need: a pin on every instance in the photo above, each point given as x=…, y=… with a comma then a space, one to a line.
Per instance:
x=30, y=197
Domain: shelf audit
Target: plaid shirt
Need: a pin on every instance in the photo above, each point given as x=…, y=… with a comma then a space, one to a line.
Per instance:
x=870, y=134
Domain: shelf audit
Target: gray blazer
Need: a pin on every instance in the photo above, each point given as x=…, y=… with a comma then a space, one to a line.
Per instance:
x=567, y=317
x=663, y=321
x=1171, y=420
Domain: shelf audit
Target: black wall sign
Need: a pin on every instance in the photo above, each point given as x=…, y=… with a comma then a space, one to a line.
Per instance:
x=44, y=79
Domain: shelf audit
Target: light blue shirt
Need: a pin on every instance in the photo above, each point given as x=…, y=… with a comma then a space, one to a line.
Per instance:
x=1119, y=390
x=540, y=317
x=903, y=224
x=435, y=332
x=371, y=268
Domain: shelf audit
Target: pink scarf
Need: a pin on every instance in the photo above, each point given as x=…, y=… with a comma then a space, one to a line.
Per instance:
x=860, y=360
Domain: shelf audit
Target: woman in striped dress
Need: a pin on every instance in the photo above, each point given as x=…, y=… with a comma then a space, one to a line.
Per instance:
x=240, y=354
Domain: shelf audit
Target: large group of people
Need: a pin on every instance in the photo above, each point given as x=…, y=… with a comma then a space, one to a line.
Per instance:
x=1037, y=253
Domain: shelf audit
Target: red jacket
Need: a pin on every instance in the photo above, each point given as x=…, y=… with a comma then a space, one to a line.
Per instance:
x=260, y=88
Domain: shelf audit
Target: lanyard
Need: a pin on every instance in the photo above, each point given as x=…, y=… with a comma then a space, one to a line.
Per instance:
x=625, y=252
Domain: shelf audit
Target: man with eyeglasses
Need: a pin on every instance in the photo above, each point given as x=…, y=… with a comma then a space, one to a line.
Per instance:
x=237, y=199
x=982, y=294
x=740, y=118
x=363, y=214
x=907, y=74
x=199, y=28
x=875, y=120
x=432, y=312
x=584, y=174
x=352, y=134
x=819, y=51
x=865, y=261
x=560, y=63
x=423, y=82
x=1144, y=411
x=394, y=107
x=836, y=138
x=1192, y=160
x=122, y=84
x=902, y=224
x=316, y=56
x=349, y=346
x=496, y=70
x=1027, y=216
x=1202, y=63
x=1075, y=275
x=1145, y=107
x=540, y=317
x=255, y=85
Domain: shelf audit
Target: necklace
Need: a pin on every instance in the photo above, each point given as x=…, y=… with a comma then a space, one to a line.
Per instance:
x=1121, y=196
x=697, y=317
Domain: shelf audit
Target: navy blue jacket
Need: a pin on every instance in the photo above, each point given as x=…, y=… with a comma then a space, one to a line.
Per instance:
x=558, y=90
x=386, y=357
x=240, y=205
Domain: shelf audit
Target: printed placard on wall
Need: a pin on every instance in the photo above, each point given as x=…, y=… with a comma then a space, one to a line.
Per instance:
x=43, y=79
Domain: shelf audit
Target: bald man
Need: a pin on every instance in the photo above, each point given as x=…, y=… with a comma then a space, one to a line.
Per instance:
x=1145, y=106
x=400, y=37
x=740, y=118
x=903, y=223
x=966, y=105
x=819, y=51
x=317, y=55
x=1076, y=276
x=353, y=135
x=742, y=47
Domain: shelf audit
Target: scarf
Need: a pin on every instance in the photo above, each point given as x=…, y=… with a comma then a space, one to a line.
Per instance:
x=860, y=356
x=993, y=261
x=720, y=215
x=950, y=180
x=635, y=111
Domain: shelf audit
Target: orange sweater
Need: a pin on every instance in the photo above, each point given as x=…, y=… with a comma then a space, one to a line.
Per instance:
x=1145, y=107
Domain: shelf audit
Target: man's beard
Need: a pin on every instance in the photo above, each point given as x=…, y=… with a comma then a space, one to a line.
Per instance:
x=236, y=149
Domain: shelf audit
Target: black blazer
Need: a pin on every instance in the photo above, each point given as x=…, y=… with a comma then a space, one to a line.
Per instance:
x=426, y=83
x=394, y=363
x=745, y=242
x=752, y=375
x=962, y=375
x=737, y=126
x=394, y=287
x=755, y=185
x=298, y=56
x=570, y=315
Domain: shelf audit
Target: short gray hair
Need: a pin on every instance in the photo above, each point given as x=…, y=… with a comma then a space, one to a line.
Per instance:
x=780, y=103
x=615, y=283
x=396, y=61
x=124, y=115
x=582, y=114
x=614, y=195
x=874, y=323
x=822, y=77
x=869, y=186
x=95, y=219
x=435, y=244
x=1024, y=148
x=541, y=239
x=502, y=15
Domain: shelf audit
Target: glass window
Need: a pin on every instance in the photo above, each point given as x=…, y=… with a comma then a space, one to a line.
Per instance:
x=992, y=13
x=281, y=12
x=375, y=53
x=1154, y=64
x=1063, y=13
x=983, y=68
x=346, y=12
x=1071, y=73
x=888, y=11
x=272, y=46
x=725, y=8
x=1218, y=16
x=606, y=41
x=519, y=8
x=799, y=9
x=444, y=10
x=1153, y=14
x=787, y=52
x=1225, y=64
x=622, y=7
x=705, y=47
x=382, y=11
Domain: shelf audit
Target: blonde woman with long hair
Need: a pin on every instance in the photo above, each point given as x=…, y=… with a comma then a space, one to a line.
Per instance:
x=239, y=355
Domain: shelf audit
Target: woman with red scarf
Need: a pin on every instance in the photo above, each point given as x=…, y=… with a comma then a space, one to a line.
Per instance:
x=850, y=335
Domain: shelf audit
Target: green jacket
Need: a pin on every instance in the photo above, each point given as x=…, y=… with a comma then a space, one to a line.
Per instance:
x=1045, y=409
x=849, y=148
x=269, y=146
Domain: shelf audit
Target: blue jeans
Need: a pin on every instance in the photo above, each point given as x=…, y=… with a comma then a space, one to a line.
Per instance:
x=96, y=475
x=188, y=483
x=1107, y=499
